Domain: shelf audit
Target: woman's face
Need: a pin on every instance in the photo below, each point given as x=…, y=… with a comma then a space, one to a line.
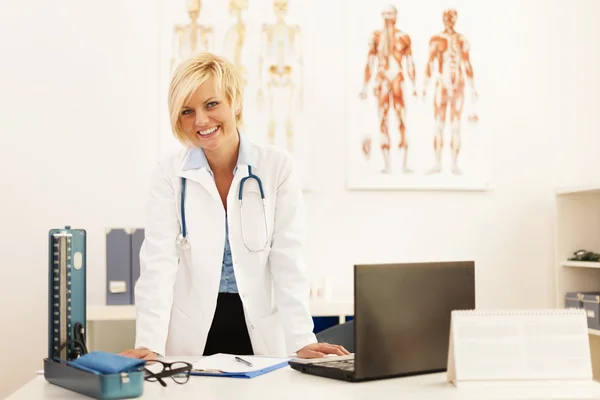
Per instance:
x=208, y=119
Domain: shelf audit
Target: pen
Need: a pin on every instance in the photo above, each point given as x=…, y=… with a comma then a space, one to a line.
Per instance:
x=243, y=361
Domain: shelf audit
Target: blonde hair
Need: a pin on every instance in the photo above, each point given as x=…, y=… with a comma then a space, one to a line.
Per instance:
x=193, y=72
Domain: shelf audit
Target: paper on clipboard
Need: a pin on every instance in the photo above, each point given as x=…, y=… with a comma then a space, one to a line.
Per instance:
x=222, y=364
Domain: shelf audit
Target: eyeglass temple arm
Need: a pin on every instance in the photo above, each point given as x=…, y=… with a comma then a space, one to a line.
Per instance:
x=155, y=376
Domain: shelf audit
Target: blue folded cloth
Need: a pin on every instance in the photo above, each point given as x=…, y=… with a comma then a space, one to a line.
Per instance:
x=101, y=363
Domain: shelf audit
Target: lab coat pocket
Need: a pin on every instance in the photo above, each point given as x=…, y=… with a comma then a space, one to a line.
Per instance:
x=181, y=332
x=272, y=334
x=254, y=219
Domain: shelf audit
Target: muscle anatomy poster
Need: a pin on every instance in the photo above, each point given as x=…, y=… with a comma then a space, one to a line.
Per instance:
x=412, y=99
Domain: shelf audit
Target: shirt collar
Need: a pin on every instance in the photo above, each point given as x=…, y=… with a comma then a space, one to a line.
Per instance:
x=196, y=158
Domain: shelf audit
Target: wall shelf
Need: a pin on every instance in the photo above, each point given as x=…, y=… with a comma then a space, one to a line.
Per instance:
x=581, y=264
x=579, y=189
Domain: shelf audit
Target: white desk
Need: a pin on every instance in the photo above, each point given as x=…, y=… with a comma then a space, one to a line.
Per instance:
x=290, y=384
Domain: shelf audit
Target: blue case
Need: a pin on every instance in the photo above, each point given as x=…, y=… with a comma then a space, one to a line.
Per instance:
x=112, y=386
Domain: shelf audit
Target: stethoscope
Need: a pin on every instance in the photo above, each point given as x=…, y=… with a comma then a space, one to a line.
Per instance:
x=182, y=239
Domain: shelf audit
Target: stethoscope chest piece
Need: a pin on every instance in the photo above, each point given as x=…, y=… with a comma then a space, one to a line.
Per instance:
x=182, y=242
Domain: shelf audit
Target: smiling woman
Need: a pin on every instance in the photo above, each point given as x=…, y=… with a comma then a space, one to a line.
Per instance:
x=217, y=294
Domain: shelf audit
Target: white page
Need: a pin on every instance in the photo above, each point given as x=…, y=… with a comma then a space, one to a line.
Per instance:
x=227, y=363
x=532, y=344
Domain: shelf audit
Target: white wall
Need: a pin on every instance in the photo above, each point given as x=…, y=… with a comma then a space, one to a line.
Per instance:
x=78, y=119
x=78, y=133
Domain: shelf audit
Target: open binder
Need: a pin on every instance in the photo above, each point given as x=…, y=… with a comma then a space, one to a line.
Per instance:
x=521, y=345
x=225, y=365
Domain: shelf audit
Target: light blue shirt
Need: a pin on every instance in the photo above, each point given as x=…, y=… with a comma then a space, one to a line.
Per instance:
x=197, y=159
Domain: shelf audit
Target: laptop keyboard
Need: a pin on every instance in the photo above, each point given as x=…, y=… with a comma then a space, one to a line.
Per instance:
x=347, y=365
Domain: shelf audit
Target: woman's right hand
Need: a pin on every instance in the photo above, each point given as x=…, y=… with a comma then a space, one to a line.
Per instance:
x=142, y=353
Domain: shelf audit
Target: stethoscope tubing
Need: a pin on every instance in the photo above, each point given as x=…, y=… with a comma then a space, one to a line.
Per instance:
x=182, y=239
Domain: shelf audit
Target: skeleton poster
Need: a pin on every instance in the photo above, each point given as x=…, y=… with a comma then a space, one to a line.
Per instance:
x=412, y=98
x=270, y=44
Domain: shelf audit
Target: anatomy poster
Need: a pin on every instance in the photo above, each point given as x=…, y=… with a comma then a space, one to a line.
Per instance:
x=270, y=43
x=413, y=103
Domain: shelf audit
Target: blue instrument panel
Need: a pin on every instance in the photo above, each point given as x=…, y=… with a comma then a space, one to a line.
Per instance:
x=67, y=293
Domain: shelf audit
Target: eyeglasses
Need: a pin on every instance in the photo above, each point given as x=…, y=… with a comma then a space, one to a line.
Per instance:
x=179, y=371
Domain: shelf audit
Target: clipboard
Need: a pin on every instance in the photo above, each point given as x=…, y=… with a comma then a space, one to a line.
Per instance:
x=224, y=365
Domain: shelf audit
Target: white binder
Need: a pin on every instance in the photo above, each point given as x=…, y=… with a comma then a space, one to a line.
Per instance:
x=519, y=345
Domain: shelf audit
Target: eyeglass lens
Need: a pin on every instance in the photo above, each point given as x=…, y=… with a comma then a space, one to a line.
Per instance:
x=178, y=371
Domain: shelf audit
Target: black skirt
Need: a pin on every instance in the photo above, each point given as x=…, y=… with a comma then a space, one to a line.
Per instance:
x=228, y=332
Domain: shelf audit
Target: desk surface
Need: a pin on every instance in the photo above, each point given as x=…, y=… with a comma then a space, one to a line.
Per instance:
x=286, y=383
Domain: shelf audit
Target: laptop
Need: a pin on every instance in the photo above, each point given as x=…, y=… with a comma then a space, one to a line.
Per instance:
x=401, y=320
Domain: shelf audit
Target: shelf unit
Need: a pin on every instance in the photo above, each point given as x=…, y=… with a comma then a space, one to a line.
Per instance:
x=577, y=226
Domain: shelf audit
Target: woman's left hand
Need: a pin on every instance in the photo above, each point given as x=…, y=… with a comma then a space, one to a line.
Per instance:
x=318, y=350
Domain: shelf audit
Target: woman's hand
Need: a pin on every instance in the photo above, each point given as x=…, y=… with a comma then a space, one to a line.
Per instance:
x=142, y=353
x=318, y=350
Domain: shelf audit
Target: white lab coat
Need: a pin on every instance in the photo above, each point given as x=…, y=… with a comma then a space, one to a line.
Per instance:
x=177, y=290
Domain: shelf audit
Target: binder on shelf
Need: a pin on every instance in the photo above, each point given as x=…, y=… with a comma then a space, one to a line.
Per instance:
x=118, y=267
x=590, y=302
x=137, y=238
x=518, y=345
x=573, y=300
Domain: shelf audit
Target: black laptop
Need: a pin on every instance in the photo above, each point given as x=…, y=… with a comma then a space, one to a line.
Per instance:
x=401, y=320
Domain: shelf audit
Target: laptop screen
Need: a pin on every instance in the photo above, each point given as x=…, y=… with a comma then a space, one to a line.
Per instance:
x=402, y=315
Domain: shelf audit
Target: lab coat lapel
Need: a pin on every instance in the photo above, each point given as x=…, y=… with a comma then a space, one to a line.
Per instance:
x=232, y=196
x=203, y=177
x=233, y=212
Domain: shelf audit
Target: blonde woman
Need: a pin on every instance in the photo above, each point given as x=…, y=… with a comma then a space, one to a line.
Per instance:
x=220, y=274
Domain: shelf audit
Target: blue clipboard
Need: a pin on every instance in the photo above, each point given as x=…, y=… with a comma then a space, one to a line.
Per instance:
x=247, y=375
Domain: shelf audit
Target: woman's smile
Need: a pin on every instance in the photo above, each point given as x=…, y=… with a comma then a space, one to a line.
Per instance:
x=208, y=132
